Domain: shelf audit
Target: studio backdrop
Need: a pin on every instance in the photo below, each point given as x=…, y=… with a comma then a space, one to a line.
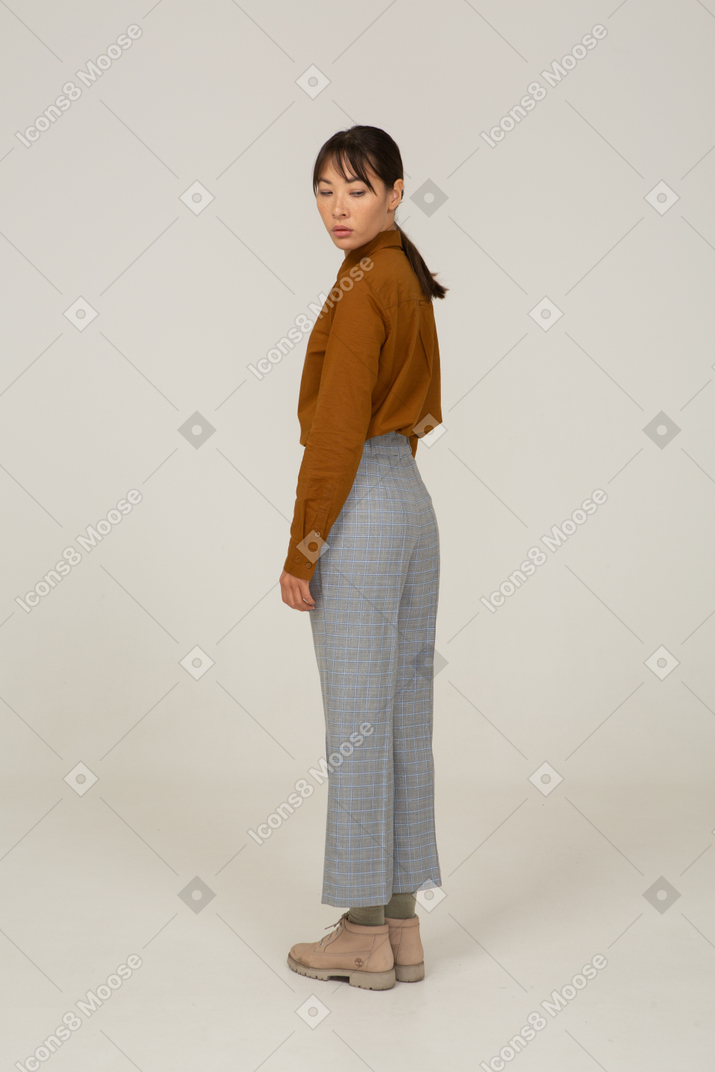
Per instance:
x=163, y=763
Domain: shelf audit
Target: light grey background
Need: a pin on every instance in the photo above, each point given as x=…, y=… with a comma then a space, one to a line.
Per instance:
x=608, y=849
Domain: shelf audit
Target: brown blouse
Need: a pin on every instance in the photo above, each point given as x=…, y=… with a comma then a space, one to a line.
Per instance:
x=371, y=366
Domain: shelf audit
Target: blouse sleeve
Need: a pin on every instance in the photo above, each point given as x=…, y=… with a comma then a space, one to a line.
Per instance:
x=342, y=414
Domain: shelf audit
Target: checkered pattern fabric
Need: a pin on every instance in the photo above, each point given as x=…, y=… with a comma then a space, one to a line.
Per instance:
x=375, y=588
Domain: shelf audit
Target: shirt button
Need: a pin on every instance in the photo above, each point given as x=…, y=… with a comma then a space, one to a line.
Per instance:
x=317, y=533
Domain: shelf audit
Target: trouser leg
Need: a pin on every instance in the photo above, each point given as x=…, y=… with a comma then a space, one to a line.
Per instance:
x=414, y=841
x=356, y=641
x=375, y=590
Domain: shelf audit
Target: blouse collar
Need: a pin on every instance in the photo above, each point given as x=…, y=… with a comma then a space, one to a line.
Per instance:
x=383, y=238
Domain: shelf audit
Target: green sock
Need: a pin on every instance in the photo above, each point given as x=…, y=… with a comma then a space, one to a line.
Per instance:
x=371, y=916
x=401, y=906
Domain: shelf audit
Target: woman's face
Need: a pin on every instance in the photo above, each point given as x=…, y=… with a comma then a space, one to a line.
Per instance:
x=350, y=204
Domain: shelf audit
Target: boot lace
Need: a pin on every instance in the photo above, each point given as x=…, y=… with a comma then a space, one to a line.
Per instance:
x=338, y=924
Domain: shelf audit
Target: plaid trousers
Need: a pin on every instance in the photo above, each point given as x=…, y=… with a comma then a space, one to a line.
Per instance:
x=375, y=588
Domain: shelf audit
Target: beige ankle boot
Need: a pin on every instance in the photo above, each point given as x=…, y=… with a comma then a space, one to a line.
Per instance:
x=407, y=949
x=363, y=954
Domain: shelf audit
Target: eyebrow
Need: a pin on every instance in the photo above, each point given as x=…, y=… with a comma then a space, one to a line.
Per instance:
x=329, y=182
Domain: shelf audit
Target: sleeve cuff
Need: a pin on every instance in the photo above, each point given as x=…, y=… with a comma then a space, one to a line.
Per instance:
x=298, y=566
x=302, y=557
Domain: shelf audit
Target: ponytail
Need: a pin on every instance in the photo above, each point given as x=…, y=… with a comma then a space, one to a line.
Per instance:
x=430, y=287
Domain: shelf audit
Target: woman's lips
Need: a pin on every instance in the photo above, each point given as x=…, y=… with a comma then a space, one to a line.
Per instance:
x=342, y=230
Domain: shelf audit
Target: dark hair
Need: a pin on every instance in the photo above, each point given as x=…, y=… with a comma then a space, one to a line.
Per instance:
x=362, y=146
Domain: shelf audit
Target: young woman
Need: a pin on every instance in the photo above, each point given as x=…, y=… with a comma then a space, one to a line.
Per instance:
x=365, y=534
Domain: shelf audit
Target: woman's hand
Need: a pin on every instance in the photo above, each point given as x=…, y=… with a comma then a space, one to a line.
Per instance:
x=296, y=592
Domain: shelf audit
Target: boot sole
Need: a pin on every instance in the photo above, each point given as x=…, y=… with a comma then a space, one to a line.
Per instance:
x=367, y=980
x=409, y=973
